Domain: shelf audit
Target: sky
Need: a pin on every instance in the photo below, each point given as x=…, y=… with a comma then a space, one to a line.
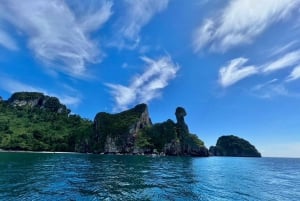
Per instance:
x=234, y=65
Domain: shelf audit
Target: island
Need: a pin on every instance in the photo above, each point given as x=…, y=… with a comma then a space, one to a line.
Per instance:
x=233, y=146
x=32, y=121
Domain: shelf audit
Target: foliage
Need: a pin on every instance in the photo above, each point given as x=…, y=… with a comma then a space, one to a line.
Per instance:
x=115, y=126
x=143, y=141
x=52, y=104
x=158, y=135
x=38, y=100
x=194, y=141
x=37, y=129
x=42, y=123
x=25, y=96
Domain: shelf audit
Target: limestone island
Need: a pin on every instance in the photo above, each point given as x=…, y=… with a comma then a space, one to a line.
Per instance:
x=233, y=146
x=32, y=121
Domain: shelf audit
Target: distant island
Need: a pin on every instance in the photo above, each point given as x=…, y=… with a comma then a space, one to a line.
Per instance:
x=233, y=146
x=32, y=121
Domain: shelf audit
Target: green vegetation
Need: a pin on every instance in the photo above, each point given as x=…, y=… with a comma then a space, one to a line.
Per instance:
x=193, y=141
x=26, y=96
x=43, y=126
x=156, y=136
x=116, y=126
x=35, y=122
x=234, y=146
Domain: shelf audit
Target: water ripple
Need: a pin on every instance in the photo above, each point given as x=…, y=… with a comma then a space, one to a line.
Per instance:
x=25, y=176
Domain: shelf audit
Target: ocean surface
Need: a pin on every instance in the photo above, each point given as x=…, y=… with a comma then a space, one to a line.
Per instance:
x=41, y=176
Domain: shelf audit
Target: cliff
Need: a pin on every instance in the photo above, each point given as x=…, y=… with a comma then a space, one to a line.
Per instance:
x=233, y=146
x=184, y=142
x=132, y=132
x=116, y=133
x=37, y=122
x=37, y=100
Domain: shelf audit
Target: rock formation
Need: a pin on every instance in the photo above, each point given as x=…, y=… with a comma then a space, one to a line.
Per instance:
x=116, y=133
x=233, y=146
x=45, y=124
x=37, y=100
x=132, y=132
x=188, y=144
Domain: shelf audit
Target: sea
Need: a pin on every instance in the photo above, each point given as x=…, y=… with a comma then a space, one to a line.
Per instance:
x=59, y=176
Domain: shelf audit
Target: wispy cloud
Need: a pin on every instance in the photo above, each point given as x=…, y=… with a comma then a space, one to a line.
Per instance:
x=235, y=71
x=137, y=15
x=7, y=42
x=270, y=89
x=240, y=22
x=11, y=85
x=295, y=74
x=288, y=60
x=283, y=48
x=91, y=14
x=147, y=86
x=57, y=35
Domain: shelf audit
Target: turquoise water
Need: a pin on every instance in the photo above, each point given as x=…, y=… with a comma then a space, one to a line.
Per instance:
x=33, y=176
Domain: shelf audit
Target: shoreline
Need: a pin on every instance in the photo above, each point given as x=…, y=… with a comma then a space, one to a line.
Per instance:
x=38, y=152
x=118, y=154
x=61, y=152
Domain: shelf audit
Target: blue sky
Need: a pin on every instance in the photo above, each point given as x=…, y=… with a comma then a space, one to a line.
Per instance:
x=234, y=65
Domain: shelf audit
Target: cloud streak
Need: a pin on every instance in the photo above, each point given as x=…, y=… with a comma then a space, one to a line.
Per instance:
x=294, y=75
x=137, y=15
x=288, y=60
x=235, y=71
x=270, y=89
x=240, y=23
x=56, y=35
x=147, y=86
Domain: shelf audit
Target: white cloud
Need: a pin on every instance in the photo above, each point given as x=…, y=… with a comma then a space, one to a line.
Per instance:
x=283, y=48
x=261, y=86
x=7, y=41
x=235, y=71
x=147, y=86
x=68, y=100
x=92, y=14
x=240, y=22
x=270, y=89
x=58, y=36
x=288, y=60
x=137, y=15
x=295, y=74
x=12, y=86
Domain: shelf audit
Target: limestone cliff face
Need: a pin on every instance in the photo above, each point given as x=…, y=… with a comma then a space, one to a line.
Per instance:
x=187, y=143
x=37, y=100
x=132, y=132
x=116, y=133
x=181, y=128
